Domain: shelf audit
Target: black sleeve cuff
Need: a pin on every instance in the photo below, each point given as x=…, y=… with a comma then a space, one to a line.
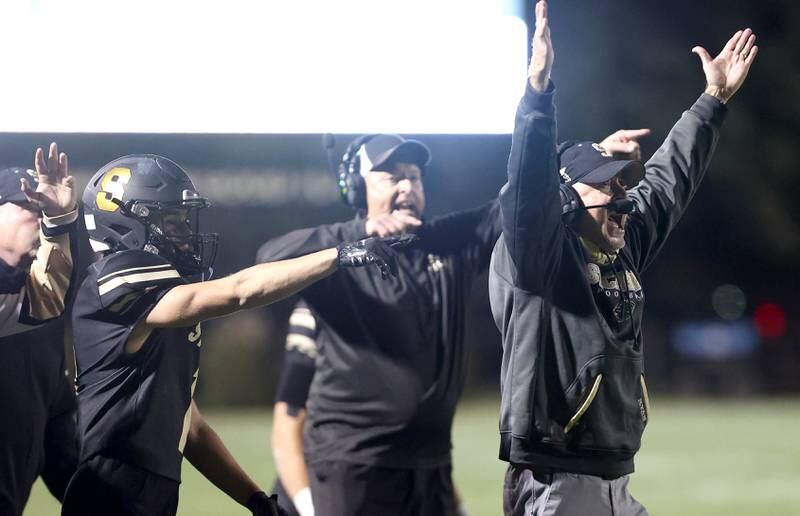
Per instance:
x=12, y=279
x=534, y=101
x=355, y=229
x=710, y=109
x=51, y=231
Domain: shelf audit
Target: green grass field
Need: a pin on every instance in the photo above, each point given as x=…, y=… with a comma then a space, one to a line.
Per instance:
x=700, y=457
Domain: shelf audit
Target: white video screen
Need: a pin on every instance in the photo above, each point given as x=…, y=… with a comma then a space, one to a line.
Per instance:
x=300, y=66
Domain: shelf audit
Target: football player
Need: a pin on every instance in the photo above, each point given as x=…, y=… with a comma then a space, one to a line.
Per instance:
x=137, y=334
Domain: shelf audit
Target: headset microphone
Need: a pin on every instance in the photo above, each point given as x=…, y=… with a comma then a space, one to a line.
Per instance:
x=623, y=206
x=571, y=205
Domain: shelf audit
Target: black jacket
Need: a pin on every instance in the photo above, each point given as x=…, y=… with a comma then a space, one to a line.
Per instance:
x=573, y=392
x=391, y=363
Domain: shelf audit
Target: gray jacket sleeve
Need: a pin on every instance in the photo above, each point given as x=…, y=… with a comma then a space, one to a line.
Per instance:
x=672, y=177
x=529, y=202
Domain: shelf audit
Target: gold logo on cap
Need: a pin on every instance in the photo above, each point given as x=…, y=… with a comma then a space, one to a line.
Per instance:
x=602, y=150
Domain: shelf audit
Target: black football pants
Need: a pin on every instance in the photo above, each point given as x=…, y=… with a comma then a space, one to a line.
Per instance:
x=342, y=489
x=103, y=486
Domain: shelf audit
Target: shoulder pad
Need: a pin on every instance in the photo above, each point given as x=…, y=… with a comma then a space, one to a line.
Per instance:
x=131, y=273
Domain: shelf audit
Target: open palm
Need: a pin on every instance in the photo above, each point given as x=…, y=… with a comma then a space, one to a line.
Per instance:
x=542, y=50
x=55, y=195
x=726, y=72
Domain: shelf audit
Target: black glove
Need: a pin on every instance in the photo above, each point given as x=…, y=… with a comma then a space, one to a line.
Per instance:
x=373, y=250
x=262, y=505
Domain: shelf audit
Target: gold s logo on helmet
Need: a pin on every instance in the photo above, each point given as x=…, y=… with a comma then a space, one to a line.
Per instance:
x=112, y=186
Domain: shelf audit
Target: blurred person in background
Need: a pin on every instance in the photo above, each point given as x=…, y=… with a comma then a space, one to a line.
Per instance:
x=565, y=289
x=38, y=242
x=137, y=335
x=289, y=414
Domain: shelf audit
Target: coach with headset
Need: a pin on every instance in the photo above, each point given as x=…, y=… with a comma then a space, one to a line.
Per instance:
x=392, y=363
x=565, y=289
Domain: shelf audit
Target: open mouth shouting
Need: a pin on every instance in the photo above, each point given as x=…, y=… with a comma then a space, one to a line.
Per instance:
x=616, y=224
x=406, y=206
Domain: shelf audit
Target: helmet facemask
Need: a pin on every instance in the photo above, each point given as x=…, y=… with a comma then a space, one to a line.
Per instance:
x=172, y=230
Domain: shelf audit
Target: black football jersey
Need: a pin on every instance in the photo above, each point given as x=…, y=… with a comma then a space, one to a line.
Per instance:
x=132, y=406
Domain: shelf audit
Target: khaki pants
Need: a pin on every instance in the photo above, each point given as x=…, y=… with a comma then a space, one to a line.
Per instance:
x=526, y=493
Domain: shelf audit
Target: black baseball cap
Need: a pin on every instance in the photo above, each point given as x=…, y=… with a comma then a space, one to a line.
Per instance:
x=383, y=149
x=589, y=162
x=10, y=189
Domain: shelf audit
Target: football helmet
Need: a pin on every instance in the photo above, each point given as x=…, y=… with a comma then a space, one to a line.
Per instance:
x=148, y=202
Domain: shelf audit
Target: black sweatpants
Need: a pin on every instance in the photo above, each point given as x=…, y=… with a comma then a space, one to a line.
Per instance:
x=103, y=486
x=342, y=489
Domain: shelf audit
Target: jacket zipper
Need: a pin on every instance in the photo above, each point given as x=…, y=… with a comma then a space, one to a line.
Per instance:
x=585, y=405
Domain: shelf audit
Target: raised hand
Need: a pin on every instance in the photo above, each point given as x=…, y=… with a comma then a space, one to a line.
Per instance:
x=541, y=50
x=726, y=72
x=55, y=195
x=624, y=144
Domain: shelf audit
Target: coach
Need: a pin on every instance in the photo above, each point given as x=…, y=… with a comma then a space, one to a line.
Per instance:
x=566, y=292
x=38, y=240
x=391, y=362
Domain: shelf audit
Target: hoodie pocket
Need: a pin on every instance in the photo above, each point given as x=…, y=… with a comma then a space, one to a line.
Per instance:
x=607, y=406
x=575, y=419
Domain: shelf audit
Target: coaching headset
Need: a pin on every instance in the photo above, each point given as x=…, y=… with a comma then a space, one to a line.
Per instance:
x=594, y=159
x=349, y=180
x=352, y=188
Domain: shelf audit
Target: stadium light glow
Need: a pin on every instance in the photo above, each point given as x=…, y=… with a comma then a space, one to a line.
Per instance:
x=306, y=66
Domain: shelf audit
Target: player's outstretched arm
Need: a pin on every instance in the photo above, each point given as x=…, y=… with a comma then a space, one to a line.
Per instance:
x=263, y=284
x=208, y=454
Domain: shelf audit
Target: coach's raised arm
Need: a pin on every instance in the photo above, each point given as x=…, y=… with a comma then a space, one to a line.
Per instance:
x=677, y=168
x=38, y=238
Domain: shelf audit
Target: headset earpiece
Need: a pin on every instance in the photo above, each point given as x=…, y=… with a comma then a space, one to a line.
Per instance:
x=352, y=188
x=571, y=204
